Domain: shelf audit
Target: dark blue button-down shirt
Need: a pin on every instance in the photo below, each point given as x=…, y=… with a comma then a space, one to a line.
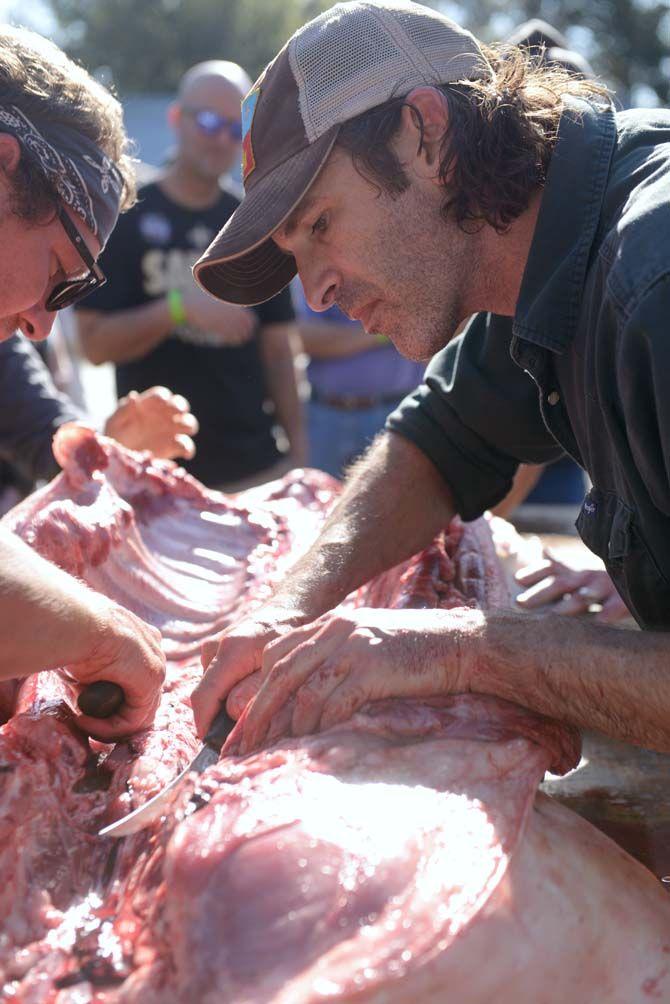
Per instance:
x=583, y=368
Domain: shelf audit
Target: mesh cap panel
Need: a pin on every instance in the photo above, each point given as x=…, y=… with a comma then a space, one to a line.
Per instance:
x=448, y=53
x=359, y=55
x=338, y=71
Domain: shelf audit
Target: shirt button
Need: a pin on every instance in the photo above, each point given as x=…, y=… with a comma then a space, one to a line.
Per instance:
x=554, y=397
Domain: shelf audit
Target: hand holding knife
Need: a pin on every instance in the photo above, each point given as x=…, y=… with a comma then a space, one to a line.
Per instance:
x=209, y=754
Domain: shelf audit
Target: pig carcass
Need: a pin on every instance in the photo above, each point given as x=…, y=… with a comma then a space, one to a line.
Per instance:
x=402, y=856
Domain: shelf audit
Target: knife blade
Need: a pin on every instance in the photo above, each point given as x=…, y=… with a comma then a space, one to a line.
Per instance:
x=209, y=754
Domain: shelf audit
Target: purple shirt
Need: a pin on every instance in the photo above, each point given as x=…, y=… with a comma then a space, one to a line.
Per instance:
x=373, y=372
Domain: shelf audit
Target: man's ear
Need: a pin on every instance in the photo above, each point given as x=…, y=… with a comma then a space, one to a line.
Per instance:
x=10, y=154
x=425, y=118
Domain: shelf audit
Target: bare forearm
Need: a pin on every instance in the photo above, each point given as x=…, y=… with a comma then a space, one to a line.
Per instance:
x=612, y=680
x=393, y=504
x=47, y=618
x=123, y=335
x=323, y=340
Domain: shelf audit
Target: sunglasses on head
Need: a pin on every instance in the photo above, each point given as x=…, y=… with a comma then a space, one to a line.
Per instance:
x=211, y=123
x=70, y=291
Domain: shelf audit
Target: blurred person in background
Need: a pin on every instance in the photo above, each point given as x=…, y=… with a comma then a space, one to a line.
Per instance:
x=355, y=381
x=61, y=354
x=235, y=365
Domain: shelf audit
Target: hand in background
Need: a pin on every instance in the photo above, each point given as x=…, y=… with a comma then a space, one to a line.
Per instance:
x=572, y=591
x=231, y=324
x=156, y=420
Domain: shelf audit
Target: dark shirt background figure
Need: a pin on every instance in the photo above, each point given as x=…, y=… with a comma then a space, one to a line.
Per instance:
x=235, y=365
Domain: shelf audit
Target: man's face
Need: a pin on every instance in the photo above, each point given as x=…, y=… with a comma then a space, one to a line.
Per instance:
x=206, y=150
x=393, y=264
x=34, y=258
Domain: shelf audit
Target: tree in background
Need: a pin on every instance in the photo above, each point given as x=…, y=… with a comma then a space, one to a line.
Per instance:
x=148, y=44
x=626, y=41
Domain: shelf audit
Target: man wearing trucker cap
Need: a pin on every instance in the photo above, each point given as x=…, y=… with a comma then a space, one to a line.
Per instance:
x=415, y=177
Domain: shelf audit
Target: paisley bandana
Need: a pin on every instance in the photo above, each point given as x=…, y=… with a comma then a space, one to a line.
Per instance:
x=86, y=180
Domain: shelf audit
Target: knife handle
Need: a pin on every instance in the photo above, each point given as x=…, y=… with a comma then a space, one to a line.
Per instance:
x=101, y=699
x=221, y=727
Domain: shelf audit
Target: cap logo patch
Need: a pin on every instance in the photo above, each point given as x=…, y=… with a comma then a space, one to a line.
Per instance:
x=248, y=112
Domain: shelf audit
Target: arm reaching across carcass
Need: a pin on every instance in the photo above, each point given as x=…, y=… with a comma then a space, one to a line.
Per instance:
x=348, y=553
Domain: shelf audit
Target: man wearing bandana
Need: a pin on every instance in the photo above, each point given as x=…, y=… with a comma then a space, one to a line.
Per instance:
x=64, y=176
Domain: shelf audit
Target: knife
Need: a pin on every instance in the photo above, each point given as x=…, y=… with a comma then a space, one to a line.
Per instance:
x=209, y=754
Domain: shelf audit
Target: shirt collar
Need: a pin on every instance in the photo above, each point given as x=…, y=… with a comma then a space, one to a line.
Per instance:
x=553, y=280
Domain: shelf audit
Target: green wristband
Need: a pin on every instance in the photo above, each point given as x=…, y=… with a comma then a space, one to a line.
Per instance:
x=176, y=307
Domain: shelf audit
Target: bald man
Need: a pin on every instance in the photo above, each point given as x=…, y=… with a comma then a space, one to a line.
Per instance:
x=235, y=365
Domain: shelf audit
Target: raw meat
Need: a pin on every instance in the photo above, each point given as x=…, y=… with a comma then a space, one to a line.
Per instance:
x=400, y=857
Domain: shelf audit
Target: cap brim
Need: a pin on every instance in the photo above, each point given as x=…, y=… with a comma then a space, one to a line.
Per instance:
x=243, y=264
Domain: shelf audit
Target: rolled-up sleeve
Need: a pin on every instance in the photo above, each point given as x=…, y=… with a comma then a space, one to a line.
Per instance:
x=477, y=416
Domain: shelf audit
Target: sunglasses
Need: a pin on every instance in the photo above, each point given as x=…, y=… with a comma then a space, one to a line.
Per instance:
x=211, y=123
x=64, y=294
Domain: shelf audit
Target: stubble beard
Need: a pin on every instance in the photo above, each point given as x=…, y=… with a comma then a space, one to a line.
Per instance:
x=429, y=264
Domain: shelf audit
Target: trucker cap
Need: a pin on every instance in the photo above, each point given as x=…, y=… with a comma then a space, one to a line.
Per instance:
x=351, y=58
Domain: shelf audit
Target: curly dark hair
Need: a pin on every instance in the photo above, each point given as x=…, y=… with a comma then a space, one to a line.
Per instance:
x=498, y=143
x=37, y=77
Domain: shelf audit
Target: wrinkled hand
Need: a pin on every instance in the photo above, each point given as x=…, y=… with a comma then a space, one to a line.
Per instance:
x=126, y=651
x=571, y=591
x=234, y=656
x=156, y=420
x=318, y=675
x=232, y=324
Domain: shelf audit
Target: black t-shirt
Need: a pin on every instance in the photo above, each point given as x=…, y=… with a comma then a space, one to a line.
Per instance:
x=150, y=252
